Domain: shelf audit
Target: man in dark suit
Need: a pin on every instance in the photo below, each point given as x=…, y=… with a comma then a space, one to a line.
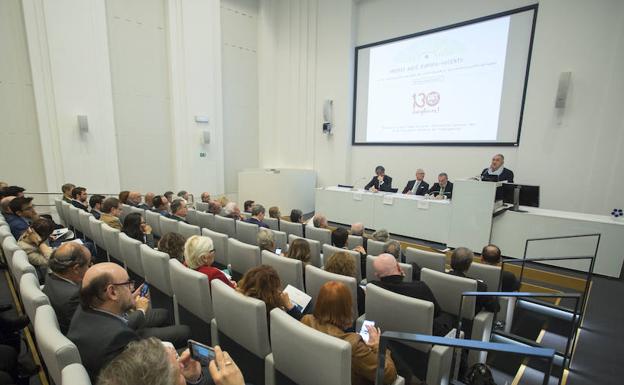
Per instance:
x=257, y=216
x=417, y=186
x=461, y=259
x=491, y=255
x=100, y=328
x=443, y=187
x=95, y=201
x=380, y=182
x=179, y=210
x=79, y=198
x=496, y=172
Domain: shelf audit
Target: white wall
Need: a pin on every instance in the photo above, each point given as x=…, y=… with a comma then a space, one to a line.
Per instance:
x=139, y=60
x=239, y=35
x=578, y=162
x=20, y=150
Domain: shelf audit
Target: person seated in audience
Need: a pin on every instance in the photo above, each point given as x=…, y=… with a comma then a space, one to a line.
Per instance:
x=95, y=202
x=380, y=182
x=339, y=238
x=417, y=186
x=442, y=188
x=149, y=201
x=199, y=255
x=223, y=200
x=33, y=242
x=179, y=210
x=150, y=361
x=296, y=216
x=169, y=196
x=214, y=207
x=135, y=227
x=184, y=195
x=100, y=329
x=357, y=229
x=14, y=191
x=111, y=210
x=266, y=240
x=67, y=192
x=381, y=235
x=22, y=215
x=3, y=185
x=332, y=315
x=263, y=283
x=497, y=172
x=231, y=210
x=344, y=264
x=79, y=198
x=134, y=199
x=319, y=221
x=274, y=212
x=461, y=259
x=257, y=216
x=248, y=205
x=393, y=248
x=4, y=206
x=491, y=255
x=172, y=244
x=161, y=206
x=205, y=197
x=300, y=250
x=123, y=197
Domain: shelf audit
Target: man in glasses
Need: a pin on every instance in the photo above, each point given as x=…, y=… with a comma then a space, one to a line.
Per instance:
x=100, y=327
x=23, y=214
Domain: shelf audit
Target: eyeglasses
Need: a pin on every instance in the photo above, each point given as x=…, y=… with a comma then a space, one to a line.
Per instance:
x=129, y=283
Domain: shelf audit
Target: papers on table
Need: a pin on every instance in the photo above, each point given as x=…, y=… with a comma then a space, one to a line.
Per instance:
x=297, y=296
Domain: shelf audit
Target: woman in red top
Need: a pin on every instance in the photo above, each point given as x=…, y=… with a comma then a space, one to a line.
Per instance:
x=199, y=255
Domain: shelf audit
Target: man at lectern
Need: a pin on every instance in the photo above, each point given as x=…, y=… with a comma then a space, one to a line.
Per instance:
x=496, y=172
x=380, y=182
x=417, y=186
x=443, y=188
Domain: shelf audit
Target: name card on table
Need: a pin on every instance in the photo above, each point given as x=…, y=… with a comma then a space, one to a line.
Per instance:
x=388, y=199
x=423, y=205
x=357, y=196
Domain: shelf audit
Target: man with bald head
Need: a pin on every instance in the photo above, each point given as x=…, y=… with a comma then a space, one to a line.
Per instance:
x=497, y=172
x=134, y=199
x=205, y=197
x=149, y=201
x=417, y=186
x=100, y=329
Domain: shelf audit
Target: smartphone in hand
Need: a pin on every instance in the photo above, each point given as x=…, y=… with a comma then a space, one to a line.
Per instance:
x=364, y=330
x=200, y=352
x=144, y=289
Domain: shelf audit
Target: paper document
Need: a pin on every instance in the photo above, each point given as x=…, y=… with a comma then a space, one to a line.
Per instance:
x=297, y=296
x=388, y=199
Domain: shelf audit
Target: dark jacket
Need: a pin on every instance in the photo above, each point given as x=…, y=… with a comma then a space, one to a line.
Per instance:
x=79, y=205
x=506, y=175
x=483, y=303
x=64, y=297
x=386, y=186
x=448, y=190
x=17, y=224
x=423, y=187
x=510, y=282
x=255, y=221
x=414, y=289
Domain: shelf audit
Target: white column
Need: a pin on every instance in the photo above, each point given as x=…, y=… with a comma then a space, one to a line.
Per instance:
x=68, y=47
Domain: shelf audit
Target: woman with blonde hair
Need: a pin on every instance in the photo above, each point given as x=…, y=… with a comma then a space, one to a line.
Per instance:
x=199, y=255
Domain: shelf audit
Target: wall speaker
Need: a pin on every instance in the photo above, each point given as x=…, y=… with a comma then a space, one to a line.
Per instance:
x=205, y=138
x=562, y=89
x=328, y=116
x=83, y=123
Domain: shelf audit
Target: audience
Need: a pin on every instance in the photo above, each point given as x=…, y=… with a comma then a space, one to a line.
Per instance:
x=123, y=197
x=199, y=255
x=179, y=210
x=169, y=196
x=274, y=212
x=231, y=210
x=135, y=227
x=205, y=197
x=149, y=201
x=95, y=202
x=67, y=192
x=184, y=195
x=134, y=199
x=266, y=240
x=106, y=296
x=79, y=198
x=248, y=205
x=343, y=263
x=4, y=206
x=161, y=205
x=111, y=210
x=257, y=216
x=14, y=191
x=223, y=200
x=172, y=244
x=319, y=221
x=357, y=228
x=22, y=215
x=296, y=216
x=263, y=283
x=332, y=315
x=214, y=207
x=300, y=249
x=491, y=255
x=381, y=235
x=33, y=242
x=461, y=259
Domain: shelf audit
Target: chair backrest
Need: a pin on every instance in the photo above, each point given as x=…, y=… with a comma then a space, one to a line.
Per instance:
x=125, y=210
x=56, y=350
x=315, y=278
x=187, y=230
x=21, y=266
x=59, y=210
x=329, y=250
x=75, y=374
x=9, y=246
x=448, y=290
x=110, y=237
x=191, y=289
x=206, y=220
x=74, y=217
x=137, y=210
x=85, y=227
x=247, y=232
x=370, y=271
x=65, y=209
x=354, y=240
x=5, y=231
x=272, y=222
x=220, y=244
x=168, y=225
x=191, y=217
x=31, y=294
x=289, y=270
x=400, y=313
x=225, y=225
x=242, y=256
x=130, y=254
x=315, y=250
x=153, y=219
x=331, y=356
x=96, y=231
x=374, y=247
x=425, y=259
x=321, y=235
x=201, y=206
x=281, y=240
x=292, y=228
x=241, y=318
x=487, y=273
x=156, y=268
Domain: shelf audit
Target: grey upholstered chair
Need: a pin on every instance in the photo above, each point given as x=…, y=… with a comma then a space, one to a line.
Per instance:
x=425, y=259
x=374, y=247
x=21, y=266
x=281, y=240
x=220, y=244
x=321, y=235
x=289, y=270
x=83, y=219
x=9, y=247
x=191, y=217
x=73, y=217
x=168, y=225
x=247, y=233
x=58, y=204
x=75, y=374
x=491, y=276
x=206, y=220
x=316, y=277
x=242, y=256
x=272, y=222
x=65, y=209
x=31, y=294
x=354, y=240
x=153, y=219
x=201, y=206
x=370, y=271
x=292, y=228
x=130, y=254
x=225, y=225
x=96, y=231
x=315, y=250
x=110, y=237
x=156, y=268
x=187, y=230
x=125, y=210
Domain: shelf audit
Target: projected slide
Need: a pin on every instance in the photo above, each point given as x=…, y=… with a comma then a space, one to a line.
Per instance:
x=458, y=84
x=438, y=87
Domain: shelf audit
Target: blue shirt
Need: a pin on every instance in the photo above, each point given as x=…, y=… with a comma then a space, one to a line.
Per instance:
x=17, y=224
x=255, y=221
